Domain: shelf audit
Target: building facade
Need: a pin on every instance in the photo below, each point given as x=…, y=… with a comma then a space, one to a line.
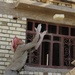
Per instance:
x=55, y=54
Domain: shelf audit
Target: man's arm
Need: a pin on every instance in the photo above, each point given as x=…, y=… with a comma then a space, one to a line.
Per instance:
x=40, y=40
x=35, y=40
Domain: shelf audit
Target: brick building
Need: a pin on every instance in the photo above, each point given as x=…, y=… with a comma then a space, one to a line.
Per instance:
x=19, y=17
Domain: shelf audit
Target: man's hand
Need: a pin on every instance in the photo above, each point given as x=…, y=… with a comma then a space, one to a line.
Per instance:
x=43, y=34
x=40, y=40
x=38, y=29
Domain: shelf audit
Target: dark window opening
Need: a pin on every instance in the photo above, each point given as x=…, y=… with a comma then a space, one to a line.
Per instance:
x=45, y=53
x=56, y=60
x=29, y=37
x=43, y=27
x=30, y=26
x=47, y=37
x=63, y=30
x=52, y=29
x=72, y=31
x=56, y=38
x=35, y=56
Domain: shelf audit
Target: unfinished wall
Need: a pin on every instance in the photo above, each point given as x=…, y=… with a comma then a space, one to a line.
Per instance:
x=8, y=29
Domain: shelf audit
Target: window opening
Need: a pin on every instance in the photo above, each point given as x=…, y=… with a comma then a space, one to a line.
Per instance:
x=47, y=37
x=68, y=51
x=45, y=53
x=30, y=26
x=72, y=31
x=52, y=29
x=56, y=60
x=56, y=38
x=48, y=53
x=63, y=30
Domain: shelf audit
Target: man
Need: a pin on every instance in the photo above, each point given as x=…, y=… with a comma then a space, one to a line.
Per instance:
x=21, y=51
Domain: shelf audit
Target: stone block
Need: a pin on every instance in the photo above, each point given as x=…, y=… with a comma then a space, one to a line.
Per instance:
x=4, y=35
x=16, y=32
x=9, y=24
x=40, y=73
x=9, y=31
x=21, y=21
x=23, y=18
x=31, y=73
x=0, y=22
x=3, y=59
x=3, y=38
x=35, y=73
x=2, y=55
x=5, y=19
x=8, y=47
x=2, y=46
x=6, y=63
x=4, y=31
x=4, y=51
x=13, y=21
x=12, y=28
x=24, y=26
x=4, y=27
x=5, y=16
x=0, y=15
x=10, y=16
x=49, y=73
x=1, y=71
x=1, y=63
x=6, y=55
x=23, y=33
x=20, y=29
x=59, y=74
x=11, y=36
x=16, y=25
x=4, y=42
x=20, y=36
x=2, y=67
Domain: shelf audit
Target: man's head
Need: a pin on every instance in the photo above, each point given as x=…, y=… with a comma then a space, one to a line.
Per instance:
x=15, y=42
x=20, y=42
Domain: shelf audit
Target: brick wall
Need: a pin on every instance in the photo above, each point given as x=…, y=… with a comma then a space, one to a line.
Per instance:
x=8, y=29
